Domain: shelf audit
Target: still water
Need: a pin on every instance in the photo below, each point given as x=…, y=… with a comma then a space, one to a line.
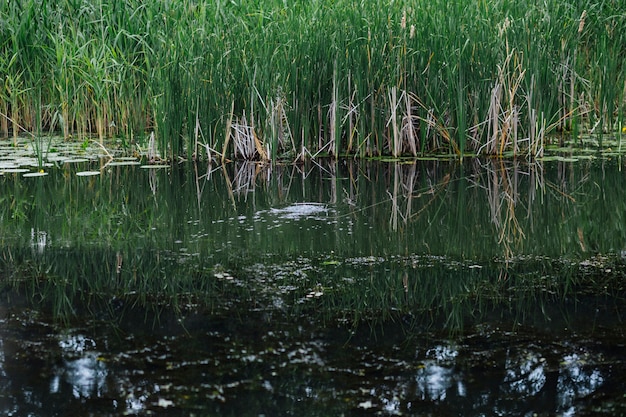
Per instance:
x=331, y=288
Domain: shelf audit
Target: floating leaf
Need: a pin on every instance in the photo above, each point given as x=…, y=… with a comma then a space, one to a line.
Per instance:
x=16, y=170
x=154, y=166
x=123, y=163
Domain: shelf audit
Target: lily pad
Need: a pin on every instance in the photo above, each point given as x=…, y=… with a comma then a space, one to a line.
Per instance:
x=123, y=163
x=154, y=166
x=87, y=173
x=16, y=170
x=35, y=174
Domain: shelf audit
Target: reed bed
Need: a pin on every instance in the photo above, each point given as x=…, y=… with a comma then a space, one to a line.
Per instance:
x=268, y=80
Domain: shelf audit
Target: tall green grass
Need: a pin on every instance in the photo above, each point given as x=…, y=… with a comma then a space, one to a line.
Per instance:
x=316, y=77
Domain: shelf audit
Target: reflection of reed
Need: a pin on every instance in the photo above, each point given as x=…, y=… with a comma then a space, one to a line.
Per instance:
x=351, y=195
x=432, y=191
x=201, y=184
x=153, y=181
x=332, y=169
x=404, y=178
x=245, y=177
x=502, y=180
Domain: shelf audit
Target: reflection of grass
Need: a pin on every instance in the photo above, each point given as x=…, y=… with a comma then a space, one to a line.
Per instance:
x=420, y=292
x=438, y=260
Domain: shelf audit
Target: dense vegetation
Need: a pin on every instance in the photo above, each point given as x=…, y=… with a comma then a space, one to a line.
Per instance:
x=291, y=79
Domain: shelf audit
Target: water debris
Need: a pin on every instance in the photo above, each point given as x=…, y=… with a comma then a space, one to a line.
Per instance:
x=366, y=405
x=314, y=294
x=300, y=211
x=163, y=403
x=223, y=275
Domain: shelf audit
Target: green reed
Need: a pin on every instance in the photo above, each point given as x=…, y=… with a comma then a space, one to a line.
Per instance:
x=321, y=77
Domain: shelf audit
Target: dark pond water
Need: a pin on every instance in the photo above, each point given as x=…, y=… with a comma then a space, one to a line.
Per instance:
x=334, y=288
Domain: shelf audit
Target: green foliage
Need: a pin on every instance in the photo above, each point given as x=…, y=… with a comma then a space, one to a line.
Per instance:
x=315, y=77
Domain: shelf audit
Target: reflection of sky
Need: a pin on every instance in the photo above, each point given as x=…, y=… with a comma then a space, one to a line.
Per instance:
x=433, y=381
x=38, y=240
x=87, y=377
x=525, y=373
x=438, y=374
x=575, y=381
x=3, y=373
x=84, y=372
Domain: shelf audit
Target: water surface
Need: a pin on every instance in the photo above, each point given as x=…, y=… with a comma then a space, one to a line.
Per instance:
x=422, y=288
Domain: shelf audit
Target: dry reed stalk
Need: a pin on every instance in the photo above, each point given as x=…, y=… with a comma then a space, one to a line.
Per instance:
x=573, y=75
x=537, y=128
x=243, y=139
x=196, y=132
x=332, y=113
x=227, y=133
x=152, y=151
x=262, y=152
x=433, y=127
x=408, y=125
x=100, y=125
x=4, y=121
x=351, y=115
x=279, y=123
x=247, y=144
x=532, y=116
x=540, y=128
x=503, y=114
x=395, y=142
x=369, y=146
x=63, y=121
